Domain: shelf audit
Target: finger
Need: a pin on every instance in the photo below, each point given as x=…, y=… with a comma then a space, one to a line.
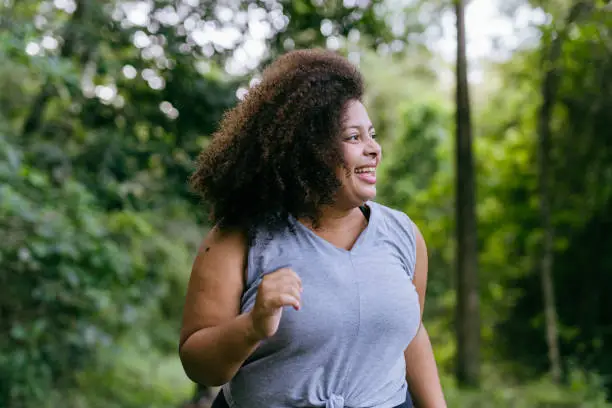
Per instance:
x=277, y=281
x=275, y=285
x=281, y=274
x=298, y=281
x=287, y=271
x=293, y=290
x=289, y=276
x=285, y=299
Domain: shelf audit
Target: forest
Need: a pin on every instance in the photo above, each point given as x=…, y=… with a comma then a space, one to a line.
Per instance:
x=496, y=126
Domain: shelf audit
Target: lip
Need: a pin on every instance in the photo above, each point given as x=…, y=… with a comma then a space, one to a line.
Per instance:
x=369, y=177
x=371, y=164
x=365, y=166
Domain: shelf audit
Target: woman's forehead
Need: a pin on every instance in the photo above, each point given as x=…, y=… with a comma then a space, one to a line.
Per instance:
x=356, y=116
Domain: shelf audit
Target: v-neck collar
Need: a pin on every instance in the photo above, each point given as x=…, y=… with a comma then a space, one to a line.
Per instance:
x=363, y=235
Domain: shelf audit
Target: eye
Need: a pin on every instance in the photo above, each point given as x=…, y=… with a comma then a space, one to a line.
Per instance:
x=353, y=137
x=373, y=135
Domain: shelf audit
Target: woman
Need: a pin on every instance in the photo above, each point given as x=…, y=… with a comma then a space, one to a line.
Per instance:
x=305, y=293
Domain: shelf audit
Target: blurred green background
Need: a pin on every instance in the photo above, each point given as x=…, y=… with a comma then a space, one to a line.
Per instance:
x=104, y=105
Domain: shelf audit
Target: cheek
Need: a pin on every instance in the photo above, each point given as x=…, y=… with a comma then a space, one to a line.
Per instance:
x=343, y=174
x=351, y=155
x=344, y=170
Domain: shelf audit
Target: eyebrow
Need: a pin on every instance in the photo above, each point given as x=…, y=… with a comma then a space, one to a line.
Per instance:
x=358, y=127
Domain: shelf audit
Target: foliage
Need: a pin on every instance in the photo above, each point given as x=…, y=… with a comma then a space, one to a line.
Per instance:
x=79, y=277
x=584, y=391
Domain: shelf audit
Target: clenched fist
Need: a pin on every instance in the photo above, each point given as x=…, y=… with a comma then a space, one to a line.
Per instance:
x=282, y=287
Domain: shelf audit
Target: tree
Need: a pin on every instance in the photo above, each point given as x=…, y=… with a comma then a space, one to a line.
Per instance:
x=468, y=319
x=549, y=90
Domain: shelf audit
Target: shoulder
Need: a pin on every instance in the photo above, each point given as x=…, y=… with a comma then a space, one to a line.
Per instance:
x=398, y=221
x=227, y=238
x=221, y=249
x=396, y=227
x=394, y=221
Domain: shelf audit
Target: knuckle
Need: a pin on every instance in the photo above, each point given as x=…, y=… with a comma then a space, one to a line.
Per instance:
x=263, y=287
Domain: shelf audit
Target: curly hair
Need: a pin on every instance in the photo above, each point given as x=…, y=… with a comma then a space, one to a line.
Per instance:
x=277, y=152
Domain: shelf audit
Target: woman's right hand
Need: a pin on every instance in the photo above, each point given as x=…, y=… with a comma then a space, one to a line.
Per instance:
x=280, y=288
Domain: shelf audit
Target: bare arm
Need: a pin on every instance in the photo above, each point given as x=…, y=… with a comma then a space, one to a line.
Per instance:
x=215, y=339
x=421, y=370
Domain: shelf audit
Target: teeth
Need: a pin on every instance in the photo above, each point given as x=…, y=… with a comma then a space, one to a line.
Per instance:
x=366, y=170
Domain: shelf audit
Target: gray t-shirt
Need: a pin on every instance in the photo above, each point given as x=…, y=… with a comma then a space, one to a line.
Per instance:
x=359, y=311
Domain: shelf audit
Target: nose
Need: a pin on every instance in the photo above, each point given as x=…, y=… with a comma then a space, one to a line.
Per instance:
x=372, y=148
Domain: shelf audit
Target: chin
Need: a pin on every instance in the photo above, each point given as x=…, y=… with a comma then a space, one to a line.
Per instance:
x=370, y=192
x=368, y=195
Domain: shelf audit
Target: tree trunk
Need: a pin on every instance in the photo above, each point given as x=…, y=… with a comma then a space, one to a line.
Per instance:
x=550, y=86
x=468, y=315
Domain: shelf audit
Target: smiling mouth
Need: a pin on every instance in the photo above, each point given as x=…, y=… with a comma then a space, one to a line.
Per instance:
x=366, y=175
x=365, y=170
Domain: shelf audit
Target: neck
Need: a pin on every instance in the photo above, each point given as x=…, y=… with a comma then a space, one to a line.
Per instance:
x=337, y=218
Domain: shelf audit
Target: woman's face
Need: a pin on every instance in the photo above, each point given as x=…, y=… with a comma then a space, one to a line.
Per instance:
x=362, y=155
